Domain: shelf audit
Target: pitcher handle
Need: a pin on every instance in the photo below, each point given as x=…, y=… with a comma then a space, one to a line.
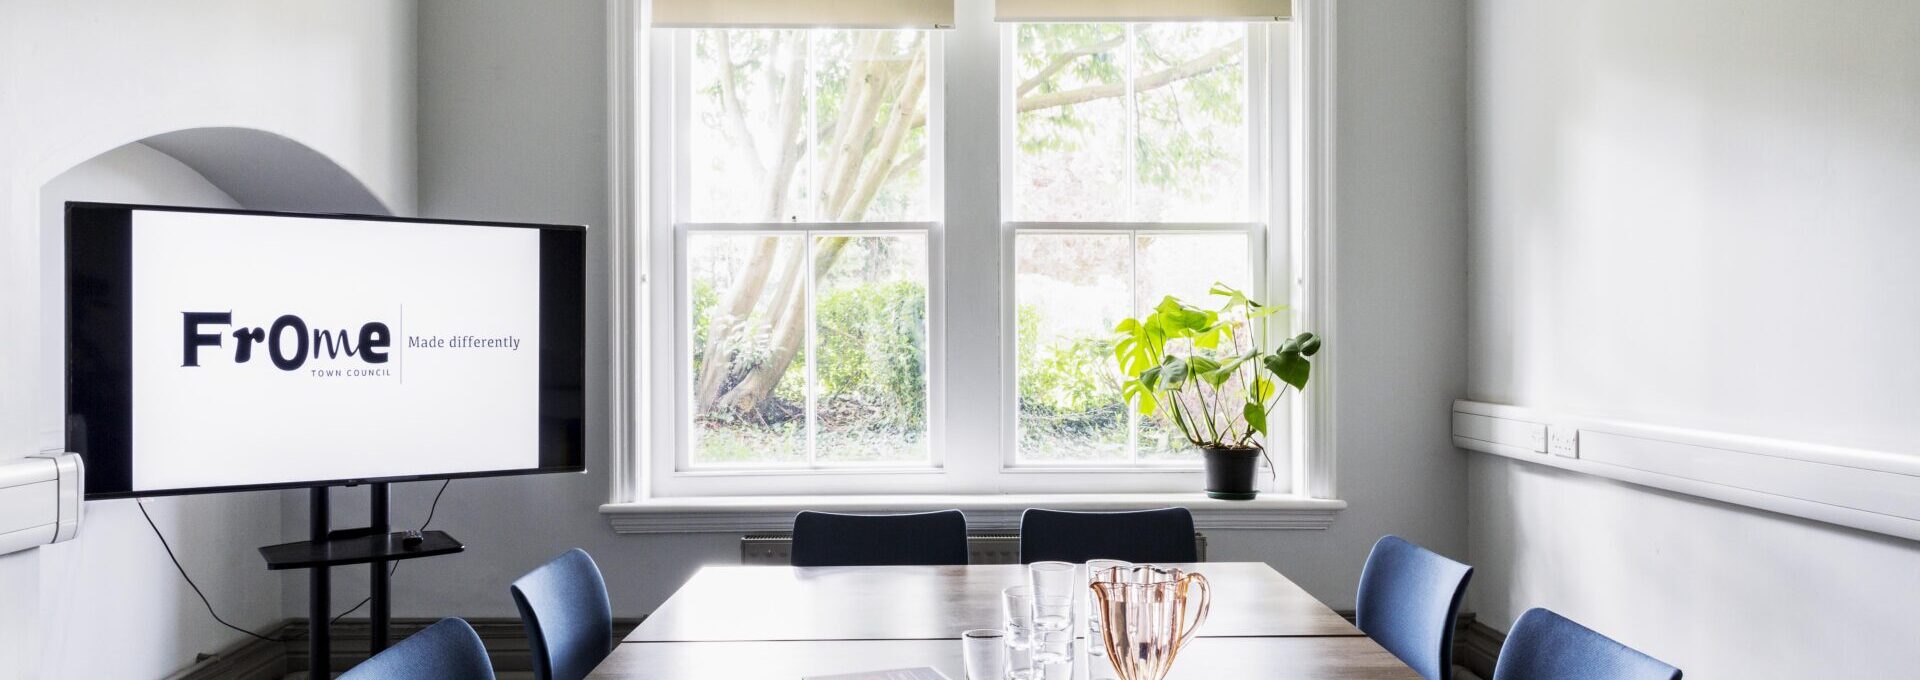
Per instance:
x=1206, y=600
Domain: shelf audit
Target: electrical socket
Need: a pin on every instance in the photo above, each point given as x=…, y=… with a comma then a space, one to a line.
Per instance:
x=1537, y=439
x=1563, y=441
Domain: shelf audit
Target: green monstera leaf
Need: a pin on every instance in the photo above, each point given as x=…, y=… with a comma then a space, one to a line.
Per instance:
x=1209, y=372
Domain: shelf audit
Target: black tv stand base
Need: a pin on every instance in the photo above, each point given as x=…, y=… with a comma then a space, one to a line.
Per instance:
x=375, y=545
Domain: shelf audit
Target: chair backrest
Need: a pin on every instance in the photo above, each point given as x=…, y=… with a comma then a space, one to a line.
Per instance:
x=447, y=650
x=1164, y=535
x=1409, y=597
x=1547, y=645
x=569, y=621
x=826, y=539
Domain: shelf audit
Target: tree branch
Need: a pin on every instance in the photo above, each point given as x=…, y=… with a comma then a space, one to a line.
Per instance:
x=737, y=118
x=1213, y=59
x=906, y=164
x=792, y=104
x=906, y=103
x=852, y=98
x=1062, y=60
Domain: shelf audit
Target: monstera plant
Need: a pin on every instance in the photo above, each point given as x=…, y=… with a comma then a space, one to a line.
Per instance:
x=1214, y=374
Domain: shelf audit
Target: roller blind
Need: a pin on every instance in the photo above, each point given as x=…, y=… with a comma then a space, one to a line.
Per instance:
x=803, y=13
x=1142, y=10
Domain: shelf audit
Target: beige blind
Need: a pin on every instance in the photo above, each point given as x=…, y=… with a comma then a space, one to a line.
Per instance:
x=803, y=13
x=1142, y=10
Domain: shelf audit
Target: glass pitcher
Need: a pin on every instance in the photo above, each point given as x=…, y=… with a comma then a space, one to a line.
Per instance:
x=1143, y=616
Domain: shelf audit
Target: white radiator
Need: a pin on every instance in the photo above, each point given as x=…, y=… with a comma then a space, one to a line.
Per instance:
x=777, y=549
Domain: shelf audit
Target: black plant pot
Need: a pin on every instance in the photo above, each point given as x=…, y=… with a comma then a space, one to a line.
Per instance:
x=1230, y=473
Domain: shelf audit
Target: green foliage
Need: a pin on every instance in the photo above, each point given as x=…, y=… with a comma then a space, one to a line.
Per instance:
x=1063, y=375
x=1068, y=396
x=870, y=343
x=704, y=297
x=1208, y=370
x=871, y=338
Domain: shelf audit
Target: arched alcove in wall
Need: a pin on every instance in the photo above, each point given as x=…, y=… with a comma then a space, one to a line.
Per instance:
x=213, y=167
x=265, y=171
x=87, y=584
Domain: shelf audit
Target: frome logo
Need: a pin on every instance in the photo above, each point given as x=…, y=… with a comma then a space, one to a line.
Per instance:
x=373, y=340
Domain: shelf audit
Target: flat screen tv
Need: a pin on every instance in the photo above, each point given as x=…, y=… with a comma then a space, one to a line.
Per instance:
x=230, y=350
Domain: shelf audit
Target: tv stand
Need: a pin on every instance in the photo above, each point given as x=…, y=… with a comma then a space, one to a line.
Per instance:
x=375, y=545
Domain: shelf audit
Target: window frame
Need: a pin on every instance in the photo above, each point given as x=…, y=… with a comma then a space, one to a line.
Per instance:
x=1306, y=188
x=669, y=235
x=1268, y=66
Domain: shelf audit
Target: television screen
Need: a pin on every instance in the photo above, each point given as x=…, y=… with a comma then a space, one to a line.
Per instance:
x=223, y=350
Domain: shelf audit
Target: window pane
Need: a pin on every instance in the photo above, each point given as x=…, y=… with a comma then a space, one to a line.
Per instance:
x=1190, y=154
x=1071, y=290
x=869, y=117
x=748, y=319
x=1140, y=123
x=746, y=143
x=1071, y=118
x=1185, y=266
x=870, y=338
x=818, y=125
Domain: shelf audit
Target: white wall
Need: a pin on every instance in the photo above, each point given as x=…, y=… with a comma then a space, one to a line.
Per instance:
x=1698, y=214
x=85, y=78
x=513, y=127
x=87, y=588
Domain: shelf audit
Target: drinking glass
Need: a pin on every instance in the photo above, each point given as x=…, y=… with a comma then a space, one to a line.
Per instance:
x=1053, y=590
x=1019, y=610
x=1095, y=569
x=985, y=652
x=1020, y=660
x=1053, y=654
x=1051, y=648
x=1019, y=614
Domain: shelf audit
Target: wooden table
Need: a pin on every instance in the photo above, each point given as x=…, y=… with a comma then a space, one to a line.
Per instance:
x=1263, y=658
x=784, y=623
x=1250, y=599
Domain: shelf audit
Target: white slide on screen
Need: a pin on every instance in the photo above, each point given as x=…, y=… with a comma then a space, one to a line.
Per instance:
x=416, y=349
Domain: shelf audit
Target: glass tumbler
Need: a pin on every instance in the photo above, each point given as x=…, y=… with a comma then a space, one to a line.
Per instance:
x=1054, y=587
x=1018, y=602
x=985, y=653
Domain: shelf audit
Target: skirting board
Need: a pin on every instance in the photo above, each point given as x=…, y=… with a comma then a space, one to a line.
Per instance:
x=1872, y=491
x=1475, y=645
x=255, y=659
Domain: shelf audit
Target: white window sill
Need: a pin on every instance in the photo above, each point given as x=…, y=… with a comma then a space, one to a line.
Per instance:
x=750, y=514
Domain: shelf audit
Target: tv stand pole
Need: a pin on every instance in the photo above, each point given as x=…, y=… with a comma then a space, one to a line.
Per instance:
x=319, y=591
x=374, y=545
x=379, y=584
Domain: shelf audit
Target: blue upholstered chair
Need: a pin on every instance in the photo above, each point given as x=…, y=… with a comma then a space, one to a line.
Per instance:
x=569, y=622
x=1547, y=646
x=825, y=539
x=448, y=650
x=1409, y=597
x=1164, y=535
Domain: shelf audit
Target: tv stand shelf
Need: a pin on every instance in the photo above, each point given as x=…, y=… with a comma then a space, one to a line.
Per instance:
x=339, y=551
